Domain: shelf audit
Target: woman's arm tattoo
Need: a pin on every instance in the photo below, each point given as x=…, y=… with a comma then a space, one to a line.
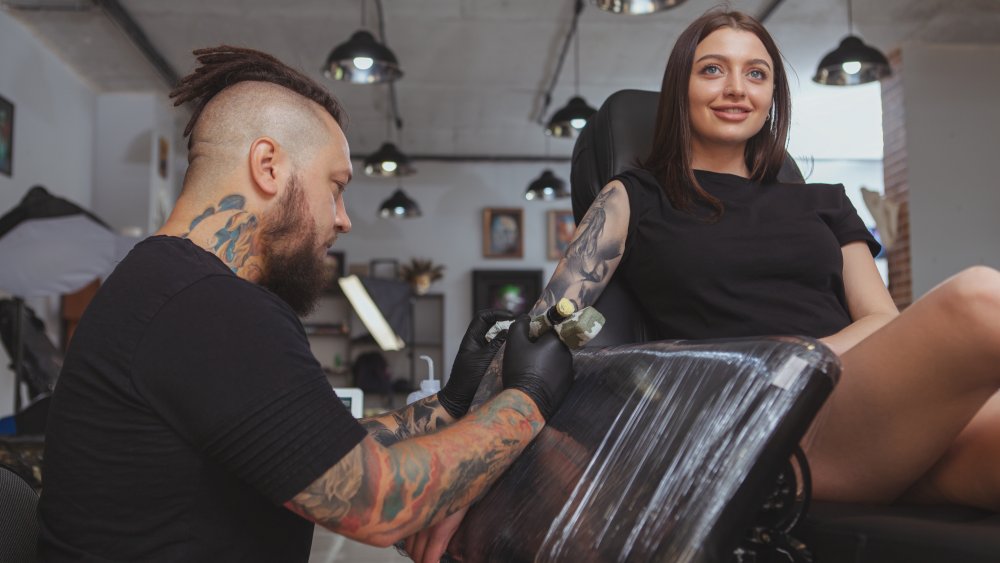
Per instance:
x=594, y=253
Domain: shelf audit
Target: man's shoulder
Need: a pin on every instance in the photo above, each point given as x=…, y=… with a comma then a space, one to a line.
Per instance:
x=163, y=270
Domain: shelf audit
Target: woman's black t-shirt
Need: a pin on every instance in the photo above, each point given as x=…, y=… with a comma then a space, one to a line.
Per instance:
x=770, y=265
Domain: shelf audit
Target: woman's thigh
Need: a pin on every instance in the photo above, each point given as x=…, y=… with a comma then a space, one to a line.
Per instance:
x=907, y=391
x=968, y=472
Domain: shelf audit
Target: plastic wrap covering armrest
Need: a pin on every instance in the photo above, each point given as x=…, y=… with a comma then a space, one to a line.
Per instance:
x=661, y=452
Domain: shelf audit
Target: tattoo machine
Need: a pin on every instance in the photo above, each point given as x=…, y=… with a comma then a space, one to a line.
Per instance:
x=574, y=328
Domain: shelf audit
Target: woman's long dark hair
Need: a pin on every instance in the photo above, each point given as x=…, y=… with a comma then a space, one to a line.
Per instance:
x=670, y=159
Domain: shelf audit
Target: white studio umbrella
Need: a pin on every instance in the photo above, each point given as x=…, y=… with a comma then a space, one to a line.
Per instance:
x=50, y=246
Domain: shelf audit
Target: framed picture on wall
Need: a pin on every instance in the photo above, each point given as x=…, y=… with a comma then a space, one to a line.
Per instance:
x=560, y=228
x=384, y=268
x=6, y=136
x=503, y=232
x=514, y=290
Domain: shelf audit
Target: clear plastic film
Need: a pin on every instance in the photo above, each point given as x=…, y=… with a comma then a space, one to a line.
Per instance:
x=661, y=452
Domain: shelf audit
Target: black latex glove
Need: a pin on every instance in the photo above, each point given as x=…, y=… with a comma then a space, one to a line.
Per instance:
x=543, y=369
x=474, y=356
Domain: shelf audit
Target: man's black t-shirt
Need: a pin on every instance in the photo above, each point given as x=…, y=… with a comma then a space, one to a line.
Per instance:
x=771, y=265
x=189, y=409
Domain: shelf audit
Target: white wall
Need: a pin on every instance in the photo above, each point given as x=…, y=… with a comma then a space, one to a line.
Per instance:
x=952, y=137
x=127, y=185
x=452, y=197
x=53, y=119
x=53, y=141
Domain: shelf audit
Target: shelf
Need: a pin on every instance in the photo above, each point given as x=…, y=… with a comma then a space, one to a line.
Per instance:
x=322, y=329
x=329, y=330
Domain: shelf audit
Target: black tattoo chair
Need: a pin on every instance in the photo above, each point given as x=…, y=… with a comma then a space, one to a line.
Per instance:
x=18, y=520
x=617, y=136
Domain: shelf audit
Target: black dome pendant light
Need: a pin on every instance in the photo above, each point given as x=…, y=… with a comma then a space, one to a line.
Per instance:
x=399, y=206
x=546, y=187
x=637, y=7
x=852, y=62
x=362, y=59
x=572, y=117
x=388, y=161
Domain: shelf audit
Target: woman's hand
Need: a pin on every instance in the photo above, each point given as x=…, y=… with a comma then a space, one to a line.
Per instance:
x=429, y=544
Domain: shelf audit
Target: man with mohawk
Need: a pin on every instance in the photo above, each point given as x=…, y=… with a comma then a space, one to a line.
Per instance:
x=191, y=421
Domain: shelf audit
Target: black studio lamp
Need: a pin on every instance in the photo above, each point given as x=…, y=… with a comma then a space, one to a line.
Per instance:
x=388, y=161
x=546, y=187
x=363, y=59
x=572, y=117
x=852, y=62
x=399, y=206
x=569, y=119
x=637, y=7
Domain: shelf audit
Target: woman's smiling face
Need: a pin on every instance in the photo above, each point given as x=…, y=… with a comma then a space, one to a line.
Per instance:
x=730, y=88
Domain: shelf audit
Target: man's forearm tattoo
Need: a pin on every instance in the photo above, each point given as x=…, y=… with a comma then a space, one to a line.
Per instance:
x=423, y=416
x=387, y=493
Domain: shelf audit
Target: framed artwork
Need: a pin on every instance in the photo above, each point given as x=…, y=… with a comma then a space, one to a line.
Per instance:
x=162, y=157
x=503, y=232
x=560, y=228
x=357, y=269
x=514, y=290
x=335, y=266
x=6, y=136
x=384, y=268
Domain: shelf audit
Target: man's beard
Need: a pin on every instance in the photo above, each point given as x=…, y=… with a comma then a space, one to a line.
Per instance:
x=292, y=269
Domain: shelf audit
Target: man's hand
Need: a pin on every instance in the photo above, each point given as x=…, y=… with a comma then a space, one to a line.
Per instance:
x=542, y=369
x=474, y=356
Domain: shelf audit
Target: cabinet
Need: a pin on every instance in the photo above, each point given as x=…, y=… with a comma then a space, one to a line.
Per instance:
x=337, y=337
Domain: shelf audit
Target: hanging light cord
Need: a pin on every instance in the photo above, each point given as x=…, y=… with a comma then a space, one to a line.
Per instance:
x=393, y=102
x=576, y=62
x=577, y=8
x=850, y=19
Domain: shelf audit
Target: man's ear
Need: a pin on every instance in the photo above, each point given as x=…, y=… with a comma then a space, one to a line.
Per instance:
x=267, y=165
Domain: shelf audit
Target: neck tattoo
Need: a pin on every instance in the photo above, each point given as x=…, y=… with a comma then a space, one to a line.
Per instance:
x=234, y=242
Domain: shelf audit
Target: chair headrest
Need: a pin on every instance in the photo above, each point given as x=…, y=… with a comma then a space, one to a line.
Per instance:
x=616, y=138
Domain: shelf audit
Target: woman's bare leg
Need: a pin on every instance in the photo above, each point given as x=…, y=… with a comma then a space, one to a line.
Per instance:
x=908, y=391
x=967, y=473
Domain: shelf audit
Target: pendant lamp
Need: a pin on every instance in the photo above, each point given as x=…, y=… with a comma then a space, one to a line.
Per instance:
x=572, y=117
x=546, y=187
x=362, y=59
x=388, y=161
x=399, y=206
x=852, y=62
x=569, y=119
x=637, y=7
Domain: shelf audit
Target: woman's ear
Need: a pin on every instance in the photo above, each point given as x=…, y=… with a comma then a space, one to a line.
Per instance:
x=267, y=165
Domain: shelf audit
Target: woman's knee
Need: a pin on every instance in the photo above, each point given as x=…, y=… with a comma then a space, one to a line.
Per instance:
x=972, y=299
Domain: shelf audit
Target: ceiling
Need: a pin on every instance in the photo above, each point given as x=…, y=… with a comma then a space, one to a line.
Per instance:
x=475, y=70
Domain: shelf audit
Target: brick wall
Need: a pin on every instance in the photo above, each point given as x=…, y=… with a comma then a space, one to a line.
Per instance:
x=896, y=186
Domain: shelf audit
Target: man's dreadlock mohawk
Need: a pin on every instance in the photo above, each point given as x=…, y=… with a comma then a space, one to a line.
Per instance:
x=225, y=65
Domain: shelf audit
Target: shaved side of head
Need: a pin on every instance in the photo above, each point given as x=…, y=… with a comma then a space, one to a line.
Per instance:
x=240, y=114
x=240, y=95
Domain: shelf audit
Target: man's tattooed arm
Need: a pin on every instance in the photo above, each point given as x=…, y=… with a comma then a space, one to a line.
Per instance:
x=423, y=416
x=378, y=494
